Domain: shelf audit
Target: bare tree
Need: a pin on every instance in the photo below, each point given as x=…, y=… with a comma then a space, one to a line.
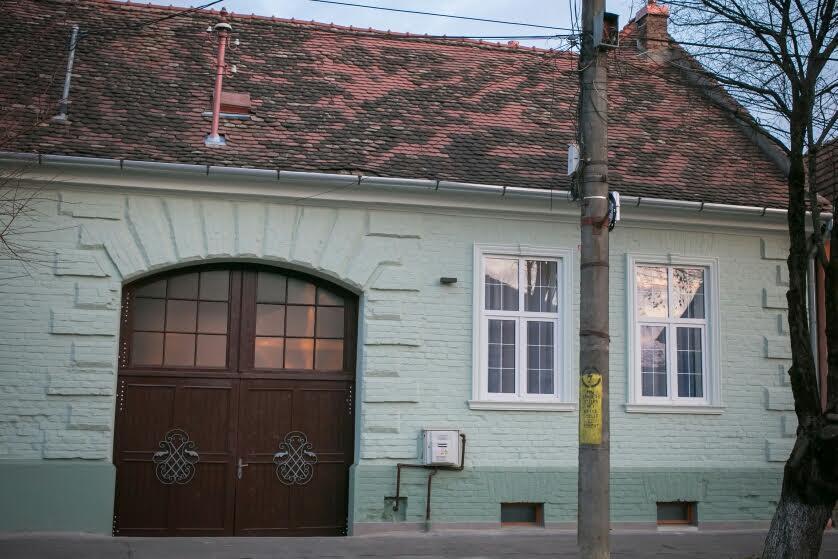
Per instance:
x=776, y=57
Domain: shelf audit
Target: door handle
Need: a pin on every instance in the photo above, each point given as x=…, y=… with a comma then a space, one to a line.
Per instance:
x=240, y=468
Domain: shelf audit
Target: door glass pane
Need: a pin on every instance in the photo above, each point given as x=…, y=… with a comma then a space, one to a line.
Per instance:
x=180, y=350
x=154, y=289
x=540, y=347
x=184, y=286
x=502, y=356
x=149, y=314
x=270, y=288
x=147, y=348
x=181, y=315
x=326, y=297
x=328, y=355
x=300, y=292
x=300, y=321
x=212, y=318
x=268, y=353
x=215, y=286
x=299, y=353
x=688, y=292
x=212, y=351
x=270, y=320
x=652, y=291
x=541, y=293
x=689, y=363
x=653, y=360
x=329, y=322
x=501, y=283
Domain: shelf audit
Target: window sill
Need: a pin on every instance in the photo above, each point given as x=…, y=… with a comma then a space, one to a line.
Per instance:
x=521, y=406
x=675, y=408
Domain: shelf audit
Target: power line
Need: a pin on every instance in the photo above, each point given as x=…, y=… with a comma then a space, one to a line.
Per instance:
x=452, y=16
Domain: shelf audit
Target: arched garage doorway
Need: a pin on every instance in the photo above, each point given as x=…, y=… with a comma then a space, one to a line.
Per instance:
x=234, y=411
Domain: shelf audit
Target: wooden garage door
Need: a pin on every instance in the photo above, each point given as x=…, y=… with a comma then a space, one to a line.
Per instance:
x=234, y=412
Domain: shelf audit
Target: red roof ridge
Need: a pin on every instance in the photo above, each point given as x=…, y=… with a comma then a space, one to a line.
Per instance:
x=439, y=39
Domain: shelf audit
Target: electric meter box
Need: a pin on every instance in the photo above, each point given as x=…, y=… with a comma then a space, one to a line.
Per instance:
x=442, y=447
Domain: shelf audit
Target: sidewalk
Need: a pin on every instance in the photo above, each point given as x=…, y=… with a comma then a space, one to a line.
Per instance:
x=465, y=545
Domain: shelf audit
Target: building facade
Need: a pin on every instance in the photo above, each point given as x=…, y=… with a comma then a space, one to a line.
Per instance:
x=204, y=344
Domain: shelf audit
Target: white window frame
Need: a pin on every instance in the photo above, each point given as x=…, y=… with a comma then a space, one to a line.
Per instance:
x=711, y=401
x=564, y=389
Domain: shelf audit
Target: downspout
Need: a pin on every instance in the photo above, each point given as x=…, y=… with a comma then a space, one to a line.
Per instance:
x=68, y=76
x=823, y=366
x=223, y=29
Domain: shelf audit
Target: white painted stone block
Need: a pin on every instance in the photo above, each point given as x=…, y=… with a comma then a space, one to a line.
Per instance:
x=83, y=322
x=380, y=390
x=93, y=354
x=78, y=263
x=774, y=298
x=777, y=347
x=780, y=398
x=774, y=249
x=778, y=450
x=395, y=224
x=90, y=205
x=187, y=226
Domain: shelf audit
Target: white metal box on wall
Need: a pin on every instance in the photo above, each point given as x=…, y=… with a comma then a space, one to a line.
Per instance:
x=442, y=447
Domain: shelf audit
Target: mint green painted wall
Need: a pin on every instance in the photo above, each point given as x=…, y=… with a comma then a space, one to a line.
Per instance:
x=72, y=496
x=59, y=326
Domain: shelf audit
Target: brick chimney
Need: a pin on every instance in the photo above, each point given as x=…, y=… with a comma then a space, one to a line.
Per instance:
x=652, y=21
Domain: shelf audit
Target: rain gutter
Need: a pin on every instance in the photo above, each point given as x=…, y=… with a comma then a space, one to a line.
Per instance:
x=326, y=179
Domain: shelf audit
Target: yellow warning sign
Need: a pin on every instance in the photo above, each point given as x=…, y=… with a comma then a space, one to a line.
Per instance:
x=590, y=408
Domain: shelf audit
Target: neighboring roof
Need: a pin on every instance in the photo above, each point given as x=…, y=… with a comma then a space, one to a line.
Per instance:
x=333, y=99
x=826, y=170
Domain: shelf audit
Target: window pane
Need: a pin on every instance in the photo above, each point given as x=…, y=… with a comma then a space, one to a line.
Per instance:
x=329, y=355
x=688, y=292
x=184, y=286
x=212, y=318
x=652, y=291
x=299, y=353
x=653, y=360
x=149, y=314
x=215, y=286
x=502, y=356
x=541, y=293
x=146, y=348
x=329, y=322
x=181, y=315
x=270, y=320
x=180, y=349
x=268, y=354
x=689, y=363
x=501, y=284
x=540, y=357
x=326, y=297
x=212, y=351
x=300, y=321
x=270, y=288
x=300, y=292
x=154, y=289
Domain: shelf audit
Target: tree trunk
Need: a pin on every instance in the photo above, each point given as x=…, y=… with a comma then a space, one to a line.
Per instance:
x=797, y=527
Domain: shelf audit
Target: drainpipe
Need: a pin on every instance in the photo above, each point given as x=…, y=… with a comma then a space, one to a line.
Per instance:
x=223, y=29
x=65, y=95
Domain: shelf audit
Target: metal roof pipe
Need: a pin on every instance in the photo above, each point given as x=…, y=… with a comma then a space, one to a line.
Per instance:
x=64, y=103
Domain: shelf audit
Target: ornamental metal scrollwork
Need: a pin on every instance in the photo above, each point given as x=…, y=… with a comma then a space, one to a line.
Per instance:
x=295, y=460
x=176, y=459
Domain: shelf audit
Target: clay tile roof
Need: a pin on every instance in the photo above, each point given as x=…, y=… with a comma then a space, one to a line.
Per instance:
x=327, y=98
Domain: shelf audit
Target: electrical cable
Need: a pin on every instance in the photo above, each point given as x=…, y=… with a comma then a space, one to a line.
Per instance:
x=452, y=16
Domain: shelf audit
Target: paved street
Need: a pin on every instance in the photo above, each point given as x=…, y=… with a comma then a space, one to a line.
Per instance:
x=465, y=545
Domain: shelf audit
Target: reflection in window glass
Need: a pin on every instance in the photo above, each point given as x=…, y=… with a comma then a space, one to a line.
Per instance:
x=184, y=286
x=653, y=360
x=299, y=353
x=501, y=281
x=652, y=297
x=502, y=356
x=149, y=314
x=179, y=350
x=329, y=322
x=147, y=348
x=689, y=363
x=268, y=353
x=270, y=288
x=212, y=318
x=688, y=292
x=215, y=285
x=300, y=292
x=540, y=345
x=329, y=355
x=300, y=321
x=181, y=315
x=541, y=293
x=326, y=297
x=154, y=289
x=212, y=351
x=270, y=320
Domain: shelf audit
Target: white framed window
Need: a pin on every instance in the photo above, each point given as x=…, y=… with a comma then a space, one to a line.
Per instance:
x=521, y=334
x=673, y=335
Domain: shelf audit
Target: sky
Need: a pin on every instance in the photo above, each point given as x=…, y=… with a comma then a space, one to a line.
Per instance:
x=542, y=12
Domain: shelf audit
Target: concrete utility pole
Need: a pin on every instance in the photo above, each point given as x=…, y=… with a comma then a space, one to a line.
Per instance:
x=594, y=445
